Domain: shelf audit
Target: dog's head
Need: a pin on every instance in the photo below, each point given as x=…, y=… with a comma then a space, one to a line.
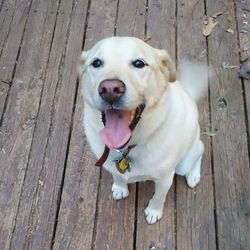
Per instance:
x=119, y=76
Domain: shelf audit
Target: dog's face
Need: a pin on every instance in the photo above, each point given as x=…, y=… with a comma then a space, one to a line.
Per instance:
x=119, y=76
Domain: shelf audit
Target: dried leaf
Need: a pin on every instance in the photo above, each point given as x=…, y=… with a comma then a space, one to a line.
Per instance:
x=207, y=29
x=40, y=183
x=217, y=14
x=226, y=65
x=230, y=31
x=209, y=133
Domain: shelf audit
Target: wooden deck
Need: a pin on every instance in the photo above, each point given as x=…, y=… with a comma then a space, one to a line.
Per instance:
x=51, y=195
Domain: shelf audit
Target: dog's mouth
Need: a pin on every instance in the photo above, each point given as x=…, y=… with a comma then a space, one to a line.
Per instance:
x=118, y=126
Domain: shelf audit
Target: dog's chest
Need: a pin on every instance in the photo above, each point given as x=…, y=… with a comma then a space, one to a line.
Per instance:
x=140, y=168
x=137, y=173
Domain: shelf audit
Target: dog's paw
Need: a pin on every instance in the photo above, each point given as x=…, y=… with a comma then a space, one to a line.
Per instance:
x=193, y=178
x=119, y=192
x=152, y=215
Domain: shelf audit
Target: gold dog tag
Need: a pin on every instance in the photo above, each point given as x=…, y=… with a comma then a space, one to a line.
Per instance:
x=123, y=165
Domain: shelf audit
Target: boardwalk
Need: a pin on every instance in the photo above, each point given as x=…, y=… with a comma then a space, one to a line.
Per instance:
x=51, y=195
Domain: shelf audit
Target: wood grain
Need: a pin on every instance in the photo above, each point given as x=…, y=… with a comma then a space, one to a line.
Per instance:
x=230, y=155
x=131, y=19
x=21, y=113
x=77, y=216
x=243, y=20
x=4, y=88
x=6, y=16
x=160, y=33
x=195, y=225
x=13, y=19
x=37, y=210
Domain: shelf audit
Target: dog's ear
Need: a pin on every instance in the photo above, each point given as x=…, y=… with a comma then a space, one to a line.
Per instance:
x=166, y=65
x=81, y=67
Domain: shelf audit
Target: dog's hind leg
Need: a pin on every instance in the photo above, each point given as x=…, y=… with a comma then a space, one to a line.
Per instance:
x=119, y=188
x=191, y=164
x=193, y=177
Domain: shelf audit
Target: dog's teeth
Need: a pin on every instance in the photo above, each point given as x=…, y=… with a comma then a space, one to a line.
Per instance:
x=132, y=116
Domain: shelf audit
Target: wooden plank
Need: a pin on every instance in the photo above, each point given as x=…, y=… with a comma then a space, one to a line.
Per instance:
x=99, y=28
x=41, y=164
x=21, y=113
x=44, y=174
x=115, y=223
x=4, y=88
x=161, y=34
x=12, y=24
x=76, y=219
x=6, y=16
x=243, y=21
x=1, y=4
x=131, y=19
x=230, y=155
x=195, y=228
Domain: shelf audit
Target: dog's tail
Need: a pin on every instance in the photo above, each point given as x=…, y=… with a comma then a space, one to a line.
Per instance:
x=194, y=77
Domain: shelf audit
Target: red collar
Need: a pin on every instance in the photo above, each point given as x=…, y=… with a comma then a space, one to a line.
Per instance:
x=105, y=155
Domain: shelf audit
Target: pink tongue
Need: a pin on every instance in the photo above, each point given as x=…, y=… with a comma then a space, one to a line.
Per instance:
x=116, y=132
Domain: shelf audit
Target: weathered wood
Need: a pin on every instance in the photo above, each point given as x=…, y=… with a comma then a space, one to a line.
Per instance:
x=21, y=113
x=115, y=222
x=4, y=88
x=161, y=23
x=195, y=226
x=12, y=24
x=243, y=18
x=131, y=19
x=38, y=207
x=230, y=155
x=101, y=21
x=77, y=211
x=1, y=4
x=6, y=16
x=77, y=220
x=160, y=33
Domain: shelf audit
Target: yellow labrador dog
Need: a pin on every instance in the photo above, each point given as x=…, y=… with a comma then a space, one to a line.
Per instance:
x=141, y=122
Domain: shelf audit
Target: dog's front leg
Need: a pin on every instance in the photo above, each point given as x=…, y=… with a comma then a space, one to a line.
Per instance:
x=119, y=188
x=154, y=210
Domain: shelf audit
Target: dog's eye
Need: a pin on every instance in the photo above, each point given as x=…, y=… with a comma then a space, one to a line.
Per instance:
x=97, y=63
x=139, y=63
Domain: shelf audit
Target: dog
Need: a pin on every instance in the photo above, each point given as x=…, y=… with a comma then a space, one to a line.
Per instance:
x=141, y=123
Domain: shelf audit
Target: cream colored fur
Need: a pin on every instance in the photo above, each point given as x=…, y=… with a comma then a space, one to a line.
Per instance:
x=168, y=134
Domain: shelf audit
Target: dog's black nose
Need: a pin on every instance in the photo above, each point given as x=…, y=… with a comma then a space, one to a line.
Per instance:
x=111, y=90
